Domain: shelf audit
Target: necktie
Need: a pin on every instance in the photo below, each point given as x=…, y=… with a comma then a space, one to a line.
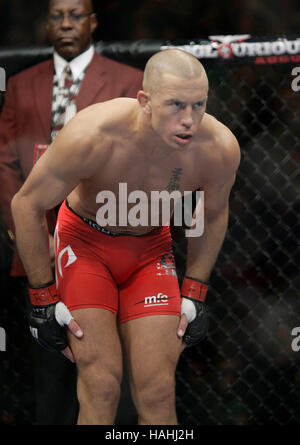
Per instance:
x=63, y=96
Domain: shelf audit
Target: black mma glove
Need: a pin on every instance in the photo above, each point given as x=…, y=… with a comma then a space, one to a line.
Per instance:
x=192, y=304
x=47, y=317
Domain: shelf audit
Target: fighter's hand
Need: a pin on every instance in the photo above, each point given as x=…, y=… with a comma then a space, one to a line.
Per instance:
x=183, y=323
x=48, y=318
x=64, y=318
x=197, y=326
x=194, y=321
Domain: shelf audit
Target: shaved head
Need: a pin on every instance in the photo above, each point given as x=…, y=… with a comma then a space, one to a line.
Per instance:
x=176, y=62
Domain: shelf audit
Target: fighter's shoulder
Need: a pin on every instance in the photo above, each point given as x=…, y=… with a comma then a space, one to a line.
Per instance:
x=114, y=110
x=80, y=145
x=95, y=127
x=222, y=141
x=102, y=116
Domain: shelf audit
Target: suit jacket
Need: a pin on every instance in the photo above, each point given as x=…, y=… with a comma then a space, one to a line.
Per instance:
x=26, y=120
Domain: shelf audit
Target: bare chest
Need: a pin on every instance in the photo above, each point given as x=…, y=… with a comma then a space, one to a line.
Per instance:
x=136, y=186
x=148, y=176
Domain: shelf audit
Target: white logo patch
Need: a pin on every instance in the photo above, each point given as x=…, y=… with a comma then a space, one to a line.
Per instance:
x=156, y=300
x=71, y=255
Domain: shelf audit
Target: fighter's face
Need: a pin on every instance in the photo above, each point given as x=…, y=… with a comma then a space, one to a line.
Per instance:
x=177, y=109
x=70, y=25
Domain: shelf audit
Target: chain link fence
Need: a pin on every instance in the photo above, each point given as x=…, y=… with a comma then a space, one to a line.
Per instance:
x=245, y=372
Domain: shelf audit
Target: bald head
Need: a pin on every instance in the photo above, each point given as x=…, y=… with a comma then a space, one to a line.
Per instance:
x=176, y=62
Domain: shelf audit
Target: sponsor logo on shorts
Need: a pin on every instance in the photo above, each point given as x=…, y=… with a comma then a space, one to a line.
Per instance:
x=160, y=299
x=166, y=266
x=71, y=255
x=157, y=300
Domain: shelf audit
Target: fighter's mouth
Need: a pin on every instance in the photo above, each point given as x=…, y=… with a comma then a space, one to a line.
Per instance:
x=184, y=137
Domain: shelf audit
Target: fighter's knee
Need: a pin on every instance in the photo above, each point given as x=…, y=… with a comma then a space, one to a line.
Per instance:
x=99, y=384
x=157, y=394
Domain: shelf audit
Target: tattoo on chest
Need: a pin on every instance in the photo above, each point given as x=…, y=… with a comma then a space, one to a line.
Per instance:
x=174, y=183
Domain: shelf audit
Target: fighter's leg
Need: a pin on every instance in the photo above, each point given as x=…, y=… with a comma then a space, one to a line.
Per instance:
x=98, y=358
x=149, y=311
x=86, y=287
x=153, y=350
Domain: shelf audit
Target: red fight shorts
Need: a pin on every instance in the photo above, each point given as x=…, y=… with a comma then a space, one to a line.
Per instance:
x=132, y=276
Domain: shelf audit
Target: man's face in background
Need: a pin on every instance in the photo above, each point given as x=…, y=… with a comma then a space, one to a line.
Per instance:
x=70, y=26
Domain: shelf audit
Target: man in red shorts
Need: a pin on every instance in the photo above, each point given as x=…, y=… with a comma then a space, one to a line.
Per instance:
x=118, y=280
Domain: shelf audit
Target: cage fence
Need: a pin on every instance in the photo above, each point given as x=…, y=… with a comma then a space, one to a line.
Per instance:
x=245, y=372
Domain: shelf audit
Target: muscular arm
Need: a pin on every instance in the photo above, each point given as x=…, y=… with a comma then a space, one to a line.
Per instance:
x=203, y=250
x=11, y=175
x=55, y=175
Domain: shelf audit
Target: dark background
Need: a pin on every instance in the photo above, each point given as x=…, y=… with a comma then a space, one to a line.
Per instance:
x=23, y=22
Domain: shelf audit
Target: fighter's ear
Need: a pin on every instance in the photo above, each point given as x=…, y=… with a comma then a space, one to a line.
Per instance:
x=144, y=101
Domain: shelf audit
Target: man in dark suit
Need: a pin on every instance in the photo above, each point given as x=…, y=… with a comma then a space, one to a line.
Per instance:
x=38, y=102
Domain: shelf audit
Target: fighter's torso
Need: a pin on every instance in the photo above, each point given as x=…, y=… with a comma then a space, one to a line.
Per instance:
x=129, y=180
